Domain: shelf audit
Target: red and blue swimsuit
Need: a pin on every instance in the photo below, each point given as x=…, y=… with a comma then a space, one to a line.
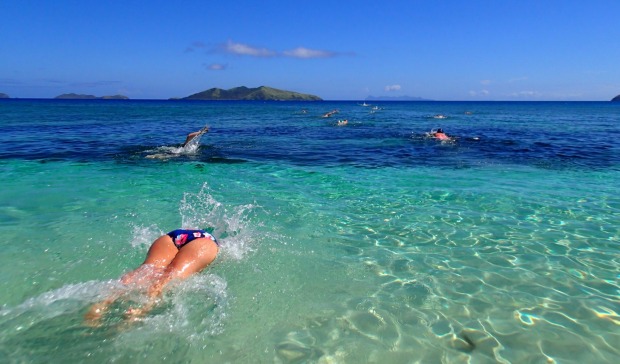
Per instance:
x=181, y=237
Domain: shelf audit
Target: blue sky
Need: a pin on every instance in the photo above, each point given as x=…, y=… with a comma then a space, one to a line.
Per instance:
x=338, y=50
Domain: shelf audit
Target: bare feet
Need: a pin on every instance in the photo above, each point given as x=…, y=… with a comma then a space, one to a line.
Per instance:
x=137, y=313
x=93, y=317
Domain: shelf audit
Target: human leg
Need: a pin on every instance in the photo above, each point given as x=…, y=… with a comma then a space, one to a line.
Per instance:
x=160, y=254
x=190, y=259
x=192, y=135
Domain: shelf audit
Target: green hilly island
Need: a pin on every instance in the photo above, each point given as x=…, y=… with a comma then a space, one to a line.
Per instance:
x=262, y=93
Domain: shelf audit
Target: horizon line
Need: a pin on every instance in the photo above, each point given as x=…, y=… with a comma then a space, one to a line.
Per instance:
x=302, y=101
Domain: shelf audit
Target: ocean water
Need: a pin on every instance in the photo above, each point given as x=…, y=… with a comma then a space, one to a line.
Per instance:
x=363, y=243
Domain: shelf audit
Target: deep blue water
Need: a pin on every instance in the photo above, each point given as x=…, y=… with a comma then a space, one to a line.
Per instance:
x=542, y=134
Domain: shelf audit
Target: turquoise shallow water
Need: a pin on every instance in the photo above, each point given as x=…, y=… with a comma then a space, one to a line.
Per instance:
x=363, y=243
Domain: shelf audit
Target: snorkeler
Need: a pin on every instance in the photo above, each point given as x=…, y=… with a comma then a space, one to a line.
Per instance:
x=191, y=136
x=185, y=148
x=329, y=114
x=439, y=134
x=176, y=255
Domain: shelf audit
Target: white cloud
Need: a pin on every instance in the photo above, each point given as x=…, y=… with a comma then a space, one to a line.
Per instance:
x=241, y=49
x=526, y=94
x=246, y=50
x=479, y=93
x=217, y=66
x=301, y=52
x=392, y=88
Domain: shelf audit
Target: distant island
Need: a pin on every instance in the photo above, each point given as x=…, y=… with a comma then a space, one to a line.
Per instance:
x=617, y=98
x=4, y=96
x=262, y=93
x=73, y=96
x=395, y=98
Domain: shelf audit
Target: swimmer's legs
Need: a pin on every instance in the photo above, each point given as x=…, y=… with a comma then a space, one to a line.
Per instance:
x=191, y=136
x=95, y=313
x=160, y=254
x=190, y=259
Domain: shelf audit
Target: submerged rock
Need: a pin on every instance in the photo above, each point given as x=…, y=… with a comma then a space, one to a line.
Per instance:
x=292, y=352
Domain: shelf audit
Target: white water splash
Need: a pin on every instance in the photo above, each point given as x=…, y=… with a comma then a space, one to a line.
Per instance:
x=70, y=298
x=167, y=152
x=232, y=226
x=145, y=235
x=195, y=309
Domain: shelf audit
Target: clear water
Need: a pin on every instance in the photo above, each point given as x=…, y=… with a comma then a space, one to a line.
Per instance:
x=368, y=242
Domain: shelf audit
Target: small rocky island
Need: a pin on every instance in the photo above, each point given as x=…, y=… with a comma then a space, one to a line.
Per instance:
x=262, y=93
x=4, y=96
x=617, y=98
x=73, y=96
